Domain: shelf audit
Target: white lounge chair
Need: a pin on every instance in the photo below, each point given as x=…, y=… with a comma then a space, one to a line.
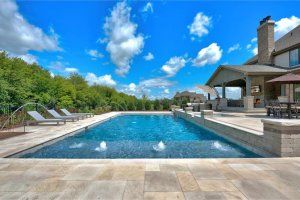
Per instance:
x=40, y=119
x=56, y=115
x=67, y=113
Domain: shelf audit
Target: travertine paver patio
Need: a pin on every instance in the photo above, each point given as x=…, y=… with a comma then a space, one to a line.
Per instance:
x=45, y=132
x=261, y=178
x=245, y=120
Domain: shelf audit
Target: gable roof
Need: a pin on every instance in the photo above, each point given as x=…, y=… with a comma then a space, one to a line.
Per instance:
x=187, y=93
x=249, y=70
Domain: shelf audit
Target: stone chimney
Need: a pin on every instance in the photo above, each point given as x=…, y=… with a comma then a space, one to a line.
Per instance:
x=265, y=40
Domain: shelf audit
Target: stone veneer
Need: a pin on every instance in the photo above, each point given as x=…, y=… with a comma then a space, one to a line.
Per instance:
x=280, y=137
x=265, y=42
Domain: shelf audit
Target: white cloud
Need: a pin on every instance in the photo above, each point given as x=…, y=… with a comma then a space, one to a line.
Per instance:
x=233, y=92
x=94, y=54
x=28, y=58
x=58, y=65
x=18, y=36
x=166, y=91
x=132, y=87
x=149, y=57
x=62, y=68
x=148, y=7
x=145, y=87
x=71, y=70
x=52, y=74
x=106, y=80
x=254, y=51
x=173, y=65
x=253, y=44
x=208, y=56
x=200, y=25
x=285, y=25
x=254, y=40
x=155, y=83
x=234, y=48
x=123, y=43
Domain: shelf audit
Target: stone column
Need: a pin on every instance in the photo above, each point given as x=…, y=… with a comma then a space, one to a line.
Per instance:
x=282, y=137
x=248, y=99
x=248, y=102
x=248, y=86
x=223, y=90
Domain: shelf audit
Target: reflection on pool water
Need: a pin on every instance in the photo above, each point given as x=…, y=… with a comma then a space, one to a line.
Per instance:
x=143, y=136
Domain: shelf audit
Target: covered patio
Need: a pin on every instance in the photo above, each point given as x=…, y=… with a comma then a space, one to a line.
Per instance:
x=251, y=79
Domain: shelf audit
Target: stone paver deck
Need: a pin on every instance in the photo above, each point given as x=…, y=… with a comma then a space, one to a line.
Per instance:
x=46, y=132
x=245, y=120
x=261, y=178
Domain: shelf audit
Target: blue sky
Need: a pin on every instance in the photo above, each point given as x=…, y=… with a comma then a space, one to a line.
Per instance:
x=138, y=47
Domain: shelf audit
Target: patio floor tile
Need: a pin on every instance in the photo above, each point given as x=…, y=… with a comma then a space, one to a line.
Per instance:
x=161, y=182
x=187, y=181
x=258, y=189
x=83, y=172
x=216, y=185
x=134, y=190
x=163, y=196
x=105, y=190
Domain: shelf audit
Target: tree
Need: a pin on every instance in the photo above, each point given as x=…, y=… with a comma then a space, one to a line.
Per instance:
x=21, y=82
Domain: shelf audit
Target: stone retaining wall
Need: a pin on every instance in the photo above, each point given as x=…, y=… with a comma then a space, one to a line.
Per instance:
x=278, y=139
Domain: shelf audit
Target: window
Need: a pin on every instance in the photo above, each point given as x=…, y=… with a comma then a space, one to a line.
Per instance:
x=282, y=89
x=297, y=92
x=294, y=57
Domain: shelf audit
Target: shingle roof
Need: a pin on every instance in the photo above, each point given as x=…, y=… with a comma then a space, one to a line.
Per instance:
x=255, y=68
x=187, y=93
x=250, y=70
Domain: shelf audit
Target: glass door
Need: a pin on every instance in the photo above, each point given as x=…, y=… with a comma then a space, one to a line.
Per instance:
x=297, y=92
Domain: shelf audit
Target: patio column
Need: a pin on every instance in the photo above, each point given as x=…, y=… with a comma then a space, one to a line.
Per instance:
x=248, y=86
x=223, y=90
x=248, y=99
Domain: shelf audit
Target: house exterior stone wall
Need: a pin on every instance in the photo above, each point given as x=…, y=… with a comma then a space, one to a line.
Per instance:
x=266, y=43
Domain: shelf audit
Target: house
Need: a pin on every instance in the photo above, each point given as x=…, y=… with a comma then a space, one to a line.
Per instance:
x=190, y=97
x=274, y=58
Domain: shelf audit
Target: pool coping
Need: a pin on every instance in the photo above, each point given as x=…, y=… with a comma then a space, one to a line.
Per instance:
x=14, y=154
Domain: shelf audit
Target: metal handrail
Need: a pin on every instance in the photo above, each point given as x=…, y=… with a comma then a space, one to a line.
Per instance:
x=26, y=104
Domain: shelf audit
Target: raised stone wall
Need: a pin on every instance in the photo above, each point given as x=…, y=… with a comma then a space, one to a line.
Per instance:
x=280, y=137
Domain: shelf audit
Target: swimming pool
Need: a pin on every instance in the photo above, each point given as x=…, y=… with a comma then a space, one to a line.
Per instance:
x=143, y=136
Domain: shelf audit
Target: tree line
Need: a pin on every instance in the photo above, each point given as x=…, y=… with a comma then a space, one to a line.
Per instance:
x=21, y=82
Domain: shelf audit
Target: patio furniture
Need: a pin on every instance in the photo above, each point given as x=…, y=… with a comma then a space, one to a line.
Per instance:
x=288, y=108
x=188, y=109
x=66, y=112
x=269, y=108
x=56, y=115
x=287, y=79
x=40, y=119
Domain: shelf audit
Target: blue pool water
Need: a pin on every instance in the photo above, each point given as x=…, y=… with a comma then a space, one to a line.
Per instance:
x=138, y=136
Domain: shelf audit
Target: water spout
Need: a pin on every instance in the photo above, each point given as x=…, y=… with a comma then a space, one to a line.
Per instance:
x=102, y=146
x=76, y=145
x=160, y=146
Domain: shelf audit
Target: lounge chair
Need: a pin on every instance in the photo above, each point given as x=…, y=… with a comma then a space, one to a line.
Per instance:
x=40, y=119
x=67, y=113
x=56, y=115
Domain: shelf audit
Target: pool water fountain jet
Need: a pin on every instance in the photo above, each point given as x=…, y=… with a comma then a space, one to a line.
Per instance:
x=102, y=146
x=160, y=146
